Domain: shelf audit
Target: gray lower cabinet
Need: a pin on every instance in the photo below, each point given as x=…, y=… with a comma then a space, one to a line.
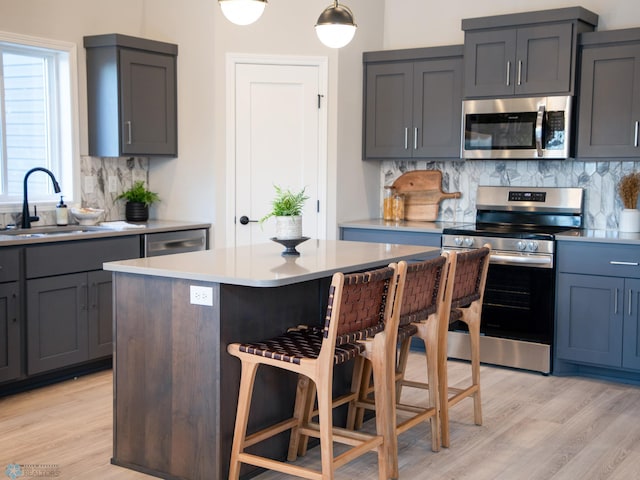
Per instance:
x=598, y=318
x=10, y=315
x=390, y=236
x=68, y=300
x=529, y=53
x=609, y=100
x=132, y=96
x=412, y=103
x=10, y=345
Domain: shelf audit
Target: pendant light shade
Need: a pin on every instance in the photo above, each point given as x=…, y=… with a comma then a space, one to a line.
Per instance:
x=335, y=26
x=242, y=12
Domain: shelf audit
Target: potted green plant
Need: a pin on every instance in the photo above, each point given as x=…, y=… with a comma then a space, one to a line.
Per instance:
x=138, y=199
x=287, y=207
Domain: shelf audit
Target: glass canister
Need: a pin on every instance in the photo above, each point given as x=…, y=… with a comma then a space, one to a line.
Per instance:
x=398, y=207
x=387, y=204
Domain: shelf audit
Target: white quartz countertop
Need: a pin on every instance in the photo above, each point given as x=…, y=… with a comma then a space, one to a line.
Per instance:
x=600, y=236
x=49, y=234
x=405, y=225
x=262, y=265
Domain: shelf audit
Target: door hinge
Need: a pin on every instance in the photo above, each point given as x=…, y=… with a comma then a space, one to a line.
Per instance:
x=319, y=99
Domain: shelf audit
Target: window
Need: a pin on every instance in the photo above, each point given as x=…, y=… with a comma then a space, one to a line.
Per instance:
x=38, y=125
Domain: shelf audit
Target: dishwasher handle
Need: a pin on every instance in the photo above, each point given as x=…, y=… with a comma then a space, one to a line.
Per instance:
x=167, y=243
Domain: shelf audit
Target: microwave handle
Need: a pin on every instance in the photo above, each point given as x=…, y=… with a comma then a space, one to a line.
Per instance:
x=538, y=132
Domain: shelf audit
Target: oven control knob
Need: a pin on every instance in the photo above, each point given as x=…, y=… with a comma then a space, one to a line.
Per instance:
x=520, y=245
x=533, y=246
x=468, y=241
x=457, y=241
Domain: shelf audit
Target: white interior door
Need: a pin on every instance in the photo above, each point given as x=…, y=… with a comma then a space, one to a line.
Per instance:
x=277, y=141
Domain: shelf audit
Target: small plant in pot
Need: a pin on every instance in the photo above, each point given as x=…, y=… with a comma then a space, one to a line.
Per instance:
x=138, y=199
x=629, y=189
x=286, y=207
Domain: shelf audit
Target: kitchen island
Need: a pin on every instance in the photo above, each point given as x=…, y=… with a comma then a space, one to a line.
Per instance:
x=175, y=385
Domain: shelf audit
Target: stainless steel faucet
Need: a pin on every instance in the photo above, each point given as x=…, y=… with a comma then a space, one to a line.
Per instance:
x=26, y=216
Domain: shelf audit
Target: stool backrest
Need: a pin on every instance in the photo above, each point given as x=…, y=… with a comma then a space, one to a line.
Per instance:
x=423, y=289
x=360, y=303
x=470, y=276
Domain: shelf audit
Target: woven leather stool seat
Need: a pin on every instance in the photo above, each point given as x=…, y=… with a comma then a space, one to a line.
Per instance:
x=301, y=343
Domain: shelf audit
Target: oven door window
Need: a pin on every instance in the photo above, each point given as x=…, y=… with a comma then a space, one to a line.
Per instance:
x=518, y=304
x=500, y=131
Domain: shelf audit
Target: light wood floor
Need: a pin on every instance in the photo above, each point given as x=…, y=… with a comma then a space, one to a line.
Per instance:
x=535, y=427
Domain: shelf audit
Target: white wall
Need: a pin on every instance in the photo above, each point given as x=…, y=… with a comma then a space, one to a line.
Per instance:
x=421, y=23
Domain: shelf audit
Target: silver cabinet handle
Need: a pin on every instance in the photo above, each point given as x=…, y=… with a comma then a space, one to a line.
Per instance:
x=415, y=138
x=630, y=299
x=406, y=138
x=615, y=304
x=508, y=72
x=519, y=72
x=129, y=132
x=617, y=262
x=635, y=141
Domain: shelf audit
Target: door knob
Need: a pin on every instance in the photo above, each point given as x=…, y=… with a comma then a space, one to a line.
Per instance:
x=244, y=220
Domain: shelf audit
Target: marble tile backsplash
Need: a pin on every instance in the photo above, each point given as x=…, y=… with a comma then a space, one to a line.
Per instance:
x=101, y=181
x=599, y=179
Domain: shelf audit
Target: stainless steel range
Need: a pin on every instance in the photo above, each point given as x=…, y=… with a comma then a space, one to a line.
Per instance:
x=520, y=224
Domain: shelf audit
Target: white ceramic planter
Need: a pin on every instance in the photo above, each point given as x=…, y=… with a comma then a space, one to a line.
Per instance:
x=629, y=220
x=288, y=228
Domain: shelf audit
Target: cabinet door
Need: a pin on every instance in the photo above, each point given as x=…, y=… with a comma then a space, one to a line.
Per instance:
x=543, y=59
x=390, y=236
x=589, y=322
x=388, y=111
x=100, y=318
x=609, y=108
x=9, y=332
x=56, y=322
x=631, y=333
x=148, y=103
x=489, y=62
x=437, y=99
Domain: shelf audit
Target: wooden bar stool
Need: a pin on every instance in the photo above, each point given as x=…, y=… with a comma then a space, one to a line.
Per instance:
x=469, y=275
x=420, y=304
x=358, y=307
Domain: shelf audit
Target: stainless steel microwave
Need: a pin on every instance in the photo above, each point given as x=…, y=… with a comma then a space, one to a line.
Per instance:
x=518, y=128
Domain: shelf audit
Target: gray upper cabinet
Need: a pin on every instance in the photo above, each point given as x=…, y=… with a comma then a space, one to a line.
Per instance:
x=523, y=54
x=412, y=103
x=132, y=96
x=609, y=100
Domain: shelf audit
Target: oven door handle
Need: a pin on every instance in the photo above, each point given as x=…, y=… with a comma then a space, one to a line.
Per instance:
x=522, y=260
x=539, y=120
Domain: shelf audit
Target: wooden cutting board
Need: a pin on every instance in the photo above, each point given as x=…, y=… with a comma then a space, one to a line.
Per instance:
x=422, y=190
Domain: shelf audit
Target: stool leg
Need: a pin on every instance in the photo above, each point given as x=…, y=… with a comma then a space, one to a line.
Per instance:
x=310, y=401
x=474, y=336
x=443, y=389
x=383, y=382
x=403, y=356
x=431, y=347
x=247, y=378
x=300, y=413
x=325, y=420
x=365, y=384
x=356, y=389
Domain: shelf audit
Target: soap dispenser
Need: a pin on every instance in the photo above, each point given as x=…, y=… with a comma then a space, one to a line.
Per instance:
x=62, y=213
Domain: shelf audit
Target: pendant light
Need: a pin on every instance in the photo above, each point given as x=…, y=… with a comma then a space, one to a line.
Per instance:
x=336, y=27
x=242, y=12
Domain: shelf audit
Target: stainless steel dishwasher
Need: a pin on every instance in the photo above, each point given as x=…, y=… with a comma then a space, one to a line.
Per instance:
x=167, y=243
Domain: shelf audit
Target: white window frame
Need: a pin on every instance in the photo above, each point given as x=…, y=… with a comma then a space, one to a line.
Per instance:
x=68, y=172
